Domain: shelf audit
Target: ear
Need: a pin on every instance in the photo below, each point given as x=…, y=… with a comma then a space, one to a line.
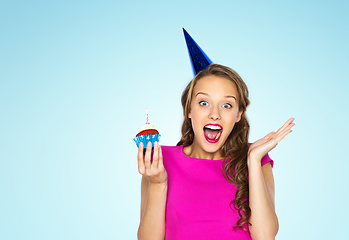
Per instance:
x=189, y=115
x=238, y=116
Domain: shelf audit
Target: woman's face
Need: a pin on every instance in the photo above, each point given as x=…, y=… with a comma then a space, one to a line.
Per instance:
x=214, y=112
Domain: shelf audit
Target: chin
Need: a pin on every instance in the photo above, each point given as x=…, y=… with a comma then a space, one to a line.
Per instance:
x=212, y=148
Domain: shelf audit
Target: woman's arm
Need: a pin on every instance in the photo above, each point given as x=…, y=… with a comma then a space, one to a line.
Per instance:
x=144, y=194
x=152, y=225
x=154, y=193
x=263, y=218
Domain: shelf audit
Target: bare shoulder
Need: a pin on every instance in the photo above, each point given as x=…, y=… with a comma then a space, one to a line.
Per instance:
x=144, y=194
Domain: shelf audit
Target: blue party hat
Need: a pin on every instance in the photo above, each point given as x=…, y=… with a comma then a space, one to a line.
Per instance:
x=199, y=59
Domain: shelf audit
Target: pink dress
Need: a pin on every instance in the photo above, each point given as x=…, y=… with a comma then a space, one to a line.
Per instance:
x=198, y=198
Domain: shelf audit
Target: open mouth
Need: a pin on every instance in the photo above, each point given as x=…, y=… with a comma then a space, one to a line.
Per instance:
x=213, y=132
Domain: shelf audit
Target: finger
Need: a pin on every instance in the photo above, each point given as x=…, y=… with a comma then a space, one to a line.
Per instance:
x=258, y=143
x=140, y=158
x=285, y=125
x=289, y=121
x=263, y=139
x=282, y=135
x=279, y=136
x=161, y=163
x=156, y=155
x=148, y=156
x=269, y=135
x=285, y=129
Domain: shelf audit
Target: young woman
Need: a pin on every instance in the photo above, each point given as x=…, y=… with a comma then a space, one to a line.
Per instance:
x=214, y=184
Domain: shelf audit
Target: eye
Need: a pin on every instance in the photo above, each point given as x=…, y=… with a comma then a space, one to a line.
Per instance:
x=227, y=105
x=203, y=103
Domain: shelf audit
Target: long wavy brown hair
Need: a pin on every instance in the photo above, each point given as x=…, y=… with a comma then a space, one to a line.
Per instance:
x=235, y=149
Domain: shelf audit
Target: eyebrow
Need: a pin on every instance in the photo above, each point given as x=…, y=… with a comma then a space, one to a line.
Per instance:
x=228, y=96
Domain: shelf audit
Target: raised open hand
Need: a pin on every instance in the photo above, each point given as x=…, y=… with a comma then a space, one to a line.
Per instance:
x=261, y=147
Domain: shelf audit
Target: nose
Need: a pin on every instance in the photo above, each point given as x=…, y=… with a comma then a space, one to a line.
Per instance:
x=214, y=114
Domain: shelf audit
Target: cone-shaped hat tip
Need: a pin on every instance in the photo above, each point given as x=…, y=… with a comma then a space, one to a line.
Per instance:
x=199, y=59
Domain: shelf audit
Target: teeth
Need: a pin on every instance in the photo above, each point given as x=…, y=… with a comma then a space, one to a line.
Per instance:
x=217, y=136
x=213, y=127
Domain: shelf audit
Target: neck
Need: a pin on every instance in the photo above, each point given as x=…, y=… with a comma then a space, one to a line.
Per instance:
x=195, y=151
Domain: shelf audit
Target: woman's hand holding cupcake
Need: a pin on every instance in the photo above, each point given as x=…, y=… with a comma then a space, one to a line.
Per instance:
x=152, y=168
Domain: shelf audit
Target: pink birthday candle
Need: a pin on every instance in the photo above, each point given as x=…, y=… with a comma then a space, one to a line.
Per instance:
x=146, y=110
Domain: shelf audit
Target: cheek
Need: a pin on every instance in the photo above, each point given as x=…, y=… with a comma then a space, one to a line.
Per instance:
x=229, y=116
x=198, y=115
x=230, y=121
x=191, y=112
x=196, y=119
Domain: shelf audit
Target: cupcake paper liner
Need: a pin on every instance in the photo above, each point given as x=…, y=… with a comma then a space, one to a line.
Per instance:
x=147, y=138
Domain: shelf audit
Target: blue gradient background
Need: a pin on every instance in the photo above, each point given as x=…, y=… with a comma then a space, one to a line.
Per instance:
x=76, y=77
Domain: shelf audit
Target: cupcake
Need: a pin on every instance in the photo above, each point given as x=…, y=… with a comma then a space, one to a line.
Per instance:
x=147, y=133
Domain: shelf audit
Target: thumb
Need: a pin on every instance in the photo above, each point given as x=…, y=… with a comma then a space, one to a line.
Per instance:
x=269, y=135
